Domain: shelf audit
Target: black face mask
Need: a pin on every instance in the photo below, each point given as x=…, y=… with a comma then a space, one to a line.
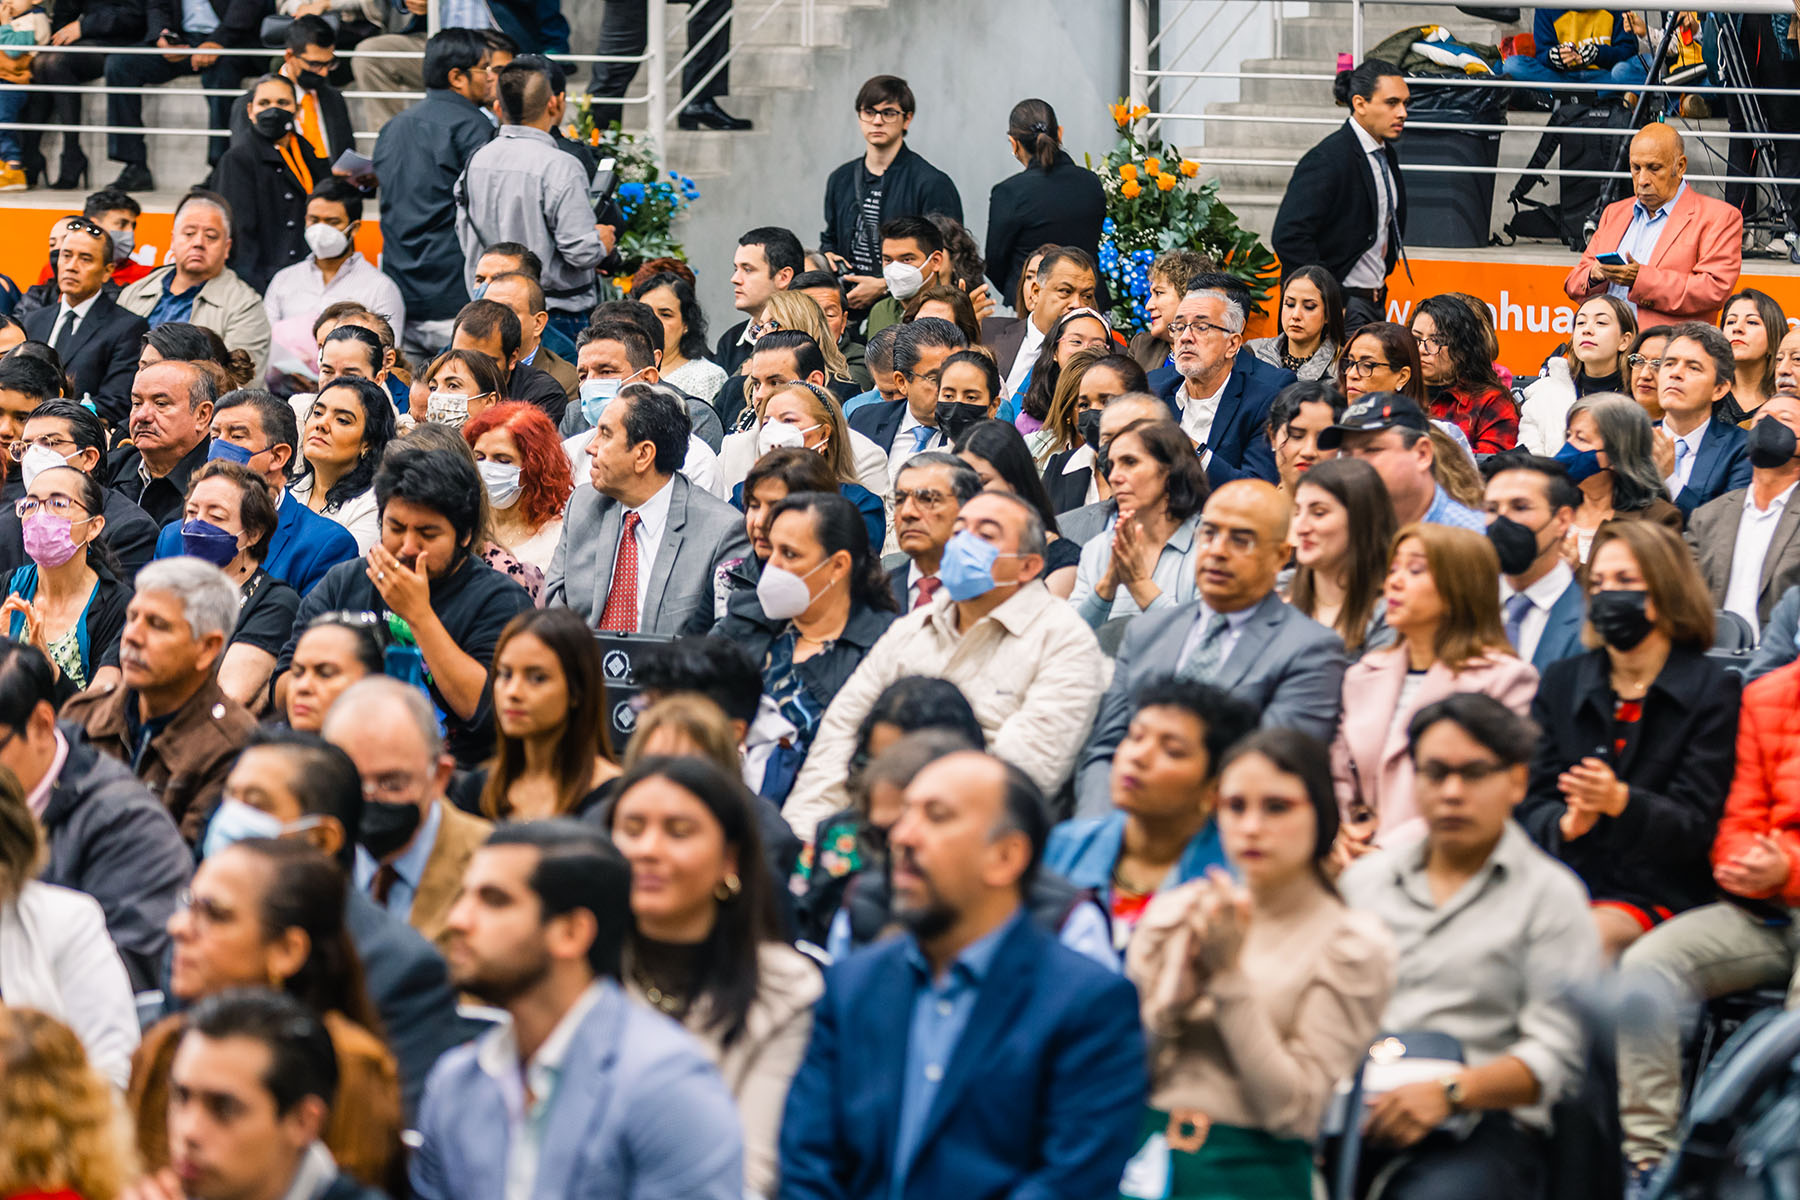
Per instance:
x=274, y=123
x=312, y=81
x=1619, y=618
x=1516, y=545
x=953, y=416
x=1087, y=424
x=1772, y=444
x=387, y=827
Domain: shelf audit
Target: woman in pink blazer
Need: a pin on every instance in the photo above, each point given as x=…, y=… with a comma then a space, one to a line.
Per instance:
x=1443, y=598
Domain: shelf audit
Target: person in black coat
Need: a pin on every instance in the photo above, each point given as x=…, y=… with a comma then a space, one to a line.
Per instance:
x=86, y=23
x=99, y=346
x=1333, y=212
x=308, y=54
x=1639, y=738
x=1051, y=201
x=267, y=176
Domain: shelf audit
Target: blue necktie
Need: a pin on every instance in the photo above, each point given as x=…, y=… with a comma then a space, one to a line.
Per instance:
x=1516, y=608
x=921, y=435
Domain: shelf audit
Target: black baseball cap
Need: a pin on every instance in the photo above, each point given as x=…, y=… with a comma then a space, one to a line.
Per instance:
x=1373, y=413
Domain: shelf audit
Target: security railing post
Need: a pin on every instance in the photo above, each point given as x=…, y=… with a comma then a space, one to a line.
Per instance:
x=657, y=46
x=1138, y=42
x=433, y=17
x=1356, y=31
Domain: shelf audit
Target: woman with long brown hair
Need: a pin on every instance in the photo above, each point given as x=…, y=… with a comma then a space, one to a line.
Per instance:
x=1754, y=324
x=1342, y=530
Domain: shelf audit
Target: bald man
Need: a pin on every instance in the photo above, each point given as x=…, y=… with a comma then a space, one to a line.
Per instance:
x=1679, y=252
x=1239, y=635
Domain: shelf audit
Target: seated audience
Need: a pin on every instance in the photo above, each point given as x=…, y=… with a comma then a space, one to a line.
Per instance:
x=1148, y=557
x=1342, y=530
x=1748, y=554
x=1025, y=1066
x=968, y=391
x=1596, y=362
x=1532, y=504
x=948, y=302
x=1643, y=363
x=1169, y=275
x=1609, y=457
x=62, y=1132
x=64, y=433
x=489, y=327
x=426, y=572
x=1636, y=751
x=929, y=492
x=1002, y=462
x=686, y=363
x=1699, y=455
x=333, y=651
x=703, y=945
x=269, y=913
x=1381, y=357
x=1443, y=603
x=1491, y=934
x=806, y=416
x=1455, y=365
x=1028, y=405
x=96, y=339
x=627, y=338
x=776, y=476
x=907, y=426
x=1237, y=635
x=1257, y=998
x=1753, y=325
x=1084, y=522
x=1311, y=316
x=230, y=520
x=62, y=963
x=187, y=342
x=653, y=1116
x=346, y=433
x=1391, y=433
x=69, y=601
x=878, y=357
x=1066, y=445
x=1164, y=785
x=171, y=418
x=1221, y=405
x=1063, y=278
x=167, y=716
x=1300, y=413
x=265, y=178
x=458, y=385
x=412, y=844
x=525, y=296
x=527, y=478
x=334, y=272
x=442, y=439
x=198, y=288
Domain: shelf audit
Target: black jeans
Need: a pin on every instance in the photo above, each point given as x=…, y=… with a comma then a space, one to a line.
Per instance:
x=625, y=30
x=1499, y=1160
x=153, y=70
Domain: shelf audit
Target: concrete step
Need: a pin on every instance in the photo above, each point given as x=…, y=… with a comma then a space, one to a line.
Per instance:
x=1394, y=17
x=1322, y=37
x=782, y=27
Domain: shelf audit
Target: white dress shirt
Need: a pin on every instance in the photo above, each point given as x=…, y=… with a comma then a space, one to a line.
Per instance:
x=1234, y=629
x=1543, y=596
x=1371, y=269
x=528, y=1091
x=63, y=310
x=299, y=292
x=1756, y=529
x=1197, y=414
x=1021, y=366
x=1684, y=460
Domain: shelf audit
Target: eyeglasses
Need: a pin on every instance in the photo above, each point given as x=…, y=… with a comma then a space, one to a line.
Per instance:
x=205, y=911
x=927, y=497
x=1639, y=362
x=769, y=326
x=1470, y=772
x=1182, y=328
x=392, y=785
x=1427, y=343
x=881, y=116
x=62, y=506
x=1359, y=367
x=16, y=450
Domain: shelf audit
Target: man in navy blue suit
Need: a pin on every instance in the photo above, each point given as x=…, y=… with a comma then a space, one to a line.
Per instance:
x=1220, y=400
x=1700, y=455
x=252, y=427
x=1541, y=599
x=973, y=1056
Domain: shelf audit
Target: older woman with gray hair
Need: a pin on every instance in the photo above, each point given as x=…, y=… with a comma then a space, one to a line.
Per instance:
x=55, y=955
x=1609, y=455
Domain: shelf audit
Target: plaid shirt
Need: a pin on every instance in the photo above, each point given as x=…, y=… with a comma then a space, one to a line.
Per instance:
x=1489, y=420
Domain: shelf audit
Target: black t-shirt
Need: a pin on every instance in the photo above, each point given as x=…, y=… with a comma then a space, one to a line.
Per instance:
x=865, y=243
x=474, y=602
x=266, y=609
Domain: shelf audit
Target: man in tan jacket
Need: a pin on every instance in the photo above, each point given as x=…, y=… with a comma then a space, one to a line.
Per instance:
x=197, y=286
x=413, y=844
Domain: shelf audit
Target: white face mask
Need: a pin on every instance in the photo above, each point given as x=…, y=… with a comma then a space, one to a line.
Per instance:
x=502, y=481
x=447, y=408
x=903, y=280
x=327, y=241
x=783, y=594
x=776, y=435
x=39, y=459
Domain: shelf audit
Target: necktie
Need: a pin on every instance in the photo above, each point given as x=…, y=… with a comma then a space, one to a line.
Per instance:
x=309, y=123
x=620, y=614
x=1681, y=454
x=385, y=875
x=928, y=586
x=1204, y=662
x=921, y=435
x=63, y=335
x=1516, y=608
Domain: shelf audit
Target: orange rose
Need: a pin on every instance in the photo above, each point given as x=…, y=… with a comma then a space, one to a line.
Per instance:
x=1189, y=167
x=1128, y=172
x=1165, y=182
x=1153, y=165
x=1130, y=190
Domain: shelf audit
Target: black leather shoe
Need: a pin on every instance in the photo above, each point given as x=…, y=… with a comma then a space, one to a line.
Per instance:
x=135, y=177
x=706, y=114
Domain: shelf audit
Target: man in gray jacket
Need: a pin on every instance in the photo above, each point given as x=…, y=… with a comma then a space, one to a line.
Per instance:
x=521, y=188
x=1240, y=636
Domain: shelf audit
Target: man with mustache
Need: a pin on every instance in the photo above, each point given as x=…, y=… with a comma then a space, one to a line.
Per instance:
x=170, y=420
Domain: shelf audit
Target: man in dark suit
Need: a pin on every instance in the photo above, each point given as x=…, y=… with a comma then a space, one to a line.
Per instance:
x=641, y=546
x=1239, y=635
x=74, y=436
x=96, y=340
x=1345, y=206
x=766, y=261
x=1223, y=410
x=972, y=1055
x=908, y=426
x=1700, y=454
x=1748, y=540
x=525, y=296
x=491, y=328
x=1532, y=503
x=171, y=417
x=1067, y=278
x=309, y=51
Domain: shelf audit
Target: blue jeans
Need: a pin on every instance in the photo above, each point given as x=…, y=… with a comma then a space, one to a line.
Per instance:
x=1630, y=72
x=561, y=332
x=12, y=103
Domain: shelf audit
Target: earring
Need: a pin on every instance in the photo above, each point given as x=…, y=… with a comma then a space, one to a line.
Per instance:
x=728, y=888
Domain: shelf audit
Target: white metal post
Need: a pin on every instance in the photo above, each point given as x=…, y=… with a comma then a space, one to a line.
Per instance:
x=657, y=67
x=433, y=17
x=1137, y=37
x=1356, y=31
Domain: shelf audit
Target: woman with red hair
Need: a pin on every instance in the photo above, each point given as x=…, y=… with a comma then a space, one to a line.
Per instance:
x=528, y=478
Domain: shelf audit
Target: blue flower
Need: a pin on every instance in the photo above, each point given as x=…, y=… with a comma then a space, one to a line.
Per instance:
x=631, y=191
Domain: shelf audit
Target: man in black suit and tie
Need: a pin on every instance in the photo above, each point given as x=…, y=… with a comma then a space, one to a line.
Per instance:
x=309, y=51
x=908, y=426
x=1544, y=603
x=1223, y=410
x=1700, y=455
x=1345, y=205
x=97, y=341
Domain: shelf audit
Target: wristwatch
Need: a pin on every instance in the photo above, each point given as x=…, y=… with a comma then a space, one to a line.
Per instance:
x=1454, y=1092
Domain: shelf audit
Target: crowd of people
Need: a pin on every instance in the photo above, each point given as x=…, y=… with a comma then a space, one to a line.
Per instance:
x=463, y=737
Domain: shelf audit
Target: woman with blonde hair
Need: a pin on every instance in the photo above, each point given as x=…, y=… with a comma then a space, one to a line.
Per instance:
x=805, y=416
x=64, y=1139
x=686, y=723
x=799, y=312
x=1443, y=602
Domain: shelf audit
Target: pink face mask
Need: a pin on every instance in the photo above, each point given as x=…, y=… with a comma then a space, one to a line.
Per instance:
x=49, y=540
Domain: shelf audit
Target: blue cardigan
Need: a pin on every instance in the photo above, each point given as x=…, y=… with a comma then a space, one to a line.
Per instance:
x=1085, y=852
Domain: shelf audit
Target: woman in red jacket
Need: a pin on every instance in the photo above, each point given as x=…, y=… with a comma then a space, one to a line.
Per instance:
x=63, y=1139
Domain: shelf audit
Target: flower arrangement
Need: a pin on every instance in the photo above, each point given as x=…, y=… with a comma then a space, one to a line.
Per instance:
x=649, y=197
x=1153, y=205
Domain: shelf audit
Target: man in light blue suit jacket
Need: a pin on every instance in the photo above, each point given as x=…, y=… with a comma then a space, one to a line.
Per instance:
x=1543, y=604
x=974, y=1058
x=584, y=1094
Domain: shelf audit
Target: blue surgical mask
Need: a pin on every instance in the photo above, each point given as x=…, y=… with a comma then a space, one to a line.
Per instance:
x=1581, y=464
x=596, y=394
x=228, y=452
x=235, y=821
x=967, y=569
x=205, y=541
